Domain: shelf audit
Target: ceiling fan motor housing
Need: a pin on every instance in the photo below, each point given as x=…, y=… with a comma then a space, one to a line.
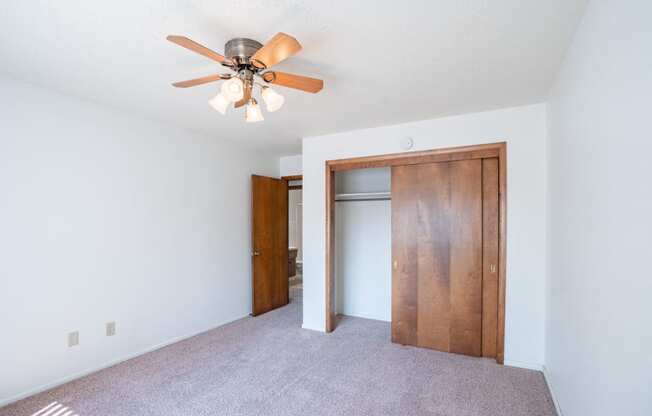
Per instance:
x=239, y=50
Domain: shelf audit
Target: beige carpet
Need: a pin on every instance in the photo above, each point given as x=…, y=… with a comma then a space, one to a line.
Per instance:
x=268, y=365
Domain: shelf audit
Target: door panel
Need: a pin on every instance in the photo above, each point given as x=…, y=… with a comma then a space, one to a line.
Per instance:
x=270, y=244
x=404, y=251
x=437, y=256
x=433, y=252
x=490, y=210
x=466, y=257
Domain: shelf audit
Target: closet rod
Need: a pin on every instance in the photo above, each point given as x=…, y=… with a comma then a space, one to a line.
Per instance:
x=366, y=196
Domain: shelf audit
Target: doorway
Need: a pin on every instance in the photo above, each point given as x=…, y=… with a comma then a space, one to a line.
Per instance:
x=455, y=300
x=295, y=237
x=277, y=247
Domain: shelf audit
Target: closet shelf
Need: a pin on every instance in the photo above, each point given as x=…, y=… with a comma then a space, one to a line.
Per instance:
x=364, y=196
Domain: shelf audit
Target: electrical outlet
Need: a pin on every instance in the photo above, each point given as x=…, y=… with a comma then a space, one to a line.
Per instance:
x=110, y=329
x=73, y=339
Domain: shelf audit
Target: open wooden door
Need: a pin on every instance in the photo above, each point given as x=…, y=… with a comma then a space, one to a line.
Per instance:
x=269, y=255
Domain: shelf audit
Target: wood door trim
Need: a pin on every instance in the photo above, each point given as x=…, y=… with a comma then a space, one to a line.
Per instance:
x=498, y=150
x=480, y=151
x=292, y=178
x=330, y=249
x=502, y=250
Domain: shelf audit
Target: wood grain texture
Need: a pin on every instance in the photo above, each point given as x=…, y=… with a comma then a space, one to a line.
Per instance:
x=298, y=82
x=277, y=49
x=330, y=250
x=414, y=158
x=292, y=178
x=437, y=254
x=246, y=95
x=198, y=81
x=196, y=47
x=490, y=223
x=502, y=251
x=433, y=197
x=404, y=256
x=270, y=244
x=465, y=259
x=492, y=150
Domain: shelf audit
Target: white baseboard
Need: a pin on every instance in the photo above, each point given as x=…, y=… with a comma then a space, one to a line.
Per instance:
x=365, y=316
x=521, y=364
x=546, y=375
x=67, y=379
x=304, y=326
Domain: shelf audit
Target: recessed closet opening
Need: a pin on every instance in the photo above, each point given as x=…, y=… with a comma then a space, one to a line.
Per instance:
x=363, y=244
x=418, y=239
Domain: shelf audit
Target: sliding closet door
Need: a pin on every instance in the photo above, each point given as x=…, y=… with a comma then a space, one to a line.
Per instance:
x=437, y=250
x=490, y=244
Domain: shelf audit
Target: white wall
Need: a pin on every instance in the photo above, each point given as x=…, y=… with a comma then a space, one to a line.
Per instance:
x=524, y=128
x=290, y=165
x=108, y=217
x=363, y=246
x=600, y=287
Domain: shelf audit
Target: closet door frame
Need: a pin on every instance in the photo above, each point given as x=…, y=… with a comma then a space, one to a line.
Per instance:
x=482, y=151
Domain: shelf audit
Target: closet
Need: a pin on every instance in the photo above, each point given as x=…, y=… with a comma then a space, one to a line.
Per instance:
x=363, y=243
x=446, y=263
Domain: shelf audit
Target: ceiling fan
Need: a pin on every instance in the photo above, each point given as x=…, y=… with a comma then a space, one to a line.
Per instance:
x=250, y=60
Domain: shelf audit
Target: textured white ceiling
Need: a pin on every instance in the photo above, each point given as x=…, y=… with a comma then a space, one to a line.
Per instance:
x=383, y=62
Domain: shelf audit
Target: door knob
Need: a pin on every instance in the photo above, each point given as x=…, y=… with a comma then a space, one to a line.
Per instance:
x=256, y=253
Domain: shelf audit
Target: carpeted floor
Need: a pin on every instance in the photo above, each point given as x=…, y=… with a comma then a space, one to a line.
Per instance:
x=270, y=366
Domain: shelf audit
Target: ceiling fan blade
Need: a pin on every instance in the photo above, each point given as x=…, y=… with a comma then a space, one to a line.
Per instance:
x=200, y=81
x=298, y=82
x=196, y=47
x=277, y=49
x=246, y=97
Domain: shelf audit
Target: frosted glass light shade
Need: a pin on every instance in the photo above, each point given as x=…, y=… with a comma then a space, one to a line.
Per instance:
x=219, y=103
x=273, y=100
x=233, y=89
x=253, y=113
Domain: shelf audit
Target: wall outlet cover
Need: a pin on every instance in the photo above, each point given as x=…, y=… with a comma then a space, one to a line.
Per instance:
x=73, y=338
x=110, y=329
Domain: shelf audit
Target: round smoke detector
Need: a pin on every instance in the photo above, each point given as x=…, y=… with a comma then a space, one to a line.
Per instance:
x=407, y=143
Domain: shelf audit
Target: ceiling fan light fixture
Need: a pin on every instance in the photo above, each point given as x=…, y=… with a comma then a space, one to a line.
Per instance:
x=273, y=100
x=249, y=60
x=233, y=89
x=219, y=103
x=253, y=113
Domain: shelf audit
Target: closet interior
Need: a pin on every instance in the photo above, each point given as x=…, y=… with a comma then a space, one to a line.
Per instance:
x=363, y=243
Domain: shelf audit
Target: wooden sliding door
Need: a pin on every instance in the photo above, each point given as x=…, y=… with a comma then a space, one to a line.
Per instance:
x=445, y=249
x=490, y=254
